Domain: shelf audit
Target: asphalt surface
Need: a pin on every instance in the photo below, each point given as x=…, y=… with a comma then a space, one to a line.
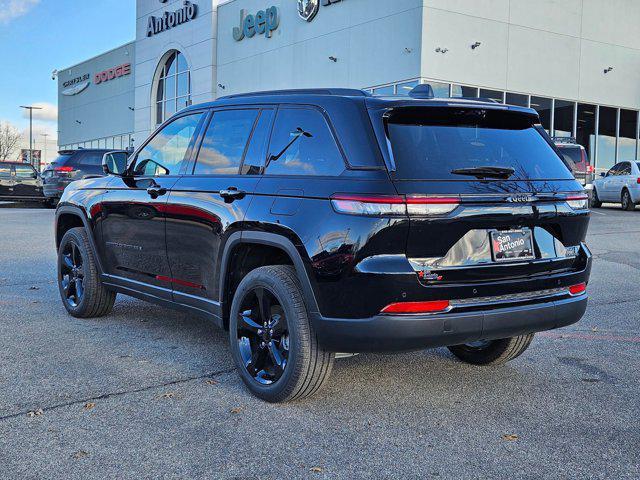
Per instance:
x=150, y=393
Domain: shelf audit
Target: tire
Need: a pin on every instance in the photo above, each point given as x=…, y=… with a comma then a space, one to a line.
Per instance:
x=627, y=202
x=92, y=299
x=306, y=365
x=595, y=200
x=494, y=352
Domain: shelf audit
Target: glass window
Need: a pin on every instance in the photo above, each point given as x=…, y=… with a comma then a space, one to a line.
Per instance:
x=5, y=170
x=225, y=141
x=167, y=150
x=302, y=144
x=542, y=105
x=492, y=95
x=92, y=159
x=563, y=115
x=257, y=152
x=444, y=145
x=174, y=87
x=586, y=133
x=404, y=88
x=462, y=91
x=517, y=99
x=24, y=171
x=607, y=137
x=440, y=90
x=385, y=91
x=625, y=168
x=627, y=141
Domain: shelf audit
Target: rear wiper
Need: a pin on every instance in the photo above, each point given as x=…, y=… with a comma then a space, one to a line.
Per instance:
x=485, y=172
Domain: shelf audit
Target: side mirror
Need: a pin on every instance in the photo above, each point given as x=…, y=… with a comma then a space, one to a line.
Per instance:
x=603, y=174
x=115, y=163
x=34, y=175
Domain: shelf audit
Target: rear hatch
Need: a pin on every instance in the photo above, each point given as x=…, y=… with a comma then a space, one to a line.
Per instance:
x=488, y=195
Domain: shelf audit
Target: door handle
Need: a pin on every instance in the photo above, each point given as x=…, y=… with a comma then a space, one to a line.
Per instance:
x=231, y=194
x=156, y=191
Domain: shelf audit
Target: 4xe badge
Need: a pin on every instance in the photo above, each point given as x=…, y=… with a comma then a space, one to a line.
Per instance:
x=308, y=9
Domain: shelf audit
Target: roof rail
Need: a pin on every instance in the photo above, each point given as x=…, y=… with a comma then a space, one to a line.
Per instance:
x=345, y=92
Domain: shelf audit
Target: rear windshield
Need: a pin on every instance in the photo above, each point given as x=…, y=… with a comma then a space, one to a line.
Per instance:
x=573, y=153
x=61, y=160
x=431, y=143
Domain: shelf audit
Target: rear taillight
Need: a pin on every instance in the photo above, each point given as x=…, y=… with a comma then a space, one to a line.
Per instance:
x=63, y=171
x=578, y=202
x=638, y=180
x=578, y=289
x=393, y=205
x=590, y=169
x=434, y=306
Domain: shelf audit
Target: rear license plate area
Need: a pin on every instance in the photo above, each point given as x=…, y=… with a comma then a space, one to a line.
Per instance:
x=512, y=245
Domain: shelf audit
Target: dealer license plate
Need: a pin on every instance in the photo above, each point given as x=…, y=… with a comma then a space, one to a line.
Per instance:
x=512, y=245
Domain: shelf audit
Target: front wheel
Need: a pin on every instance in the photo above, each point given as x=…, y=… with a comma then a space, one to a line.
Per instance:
x=81, y=290
x=272, y=341
x=492, y=352
x=595, y=200
x=627, y=202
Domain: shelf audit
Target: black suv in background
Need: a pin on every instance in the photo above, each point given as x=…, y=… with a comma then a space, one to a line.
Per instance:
x=20, y=182
x=321, y=221
x=71, y=165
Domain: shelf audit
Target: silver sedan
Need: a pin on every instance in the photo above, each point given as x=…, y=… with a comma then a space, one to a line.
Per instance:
x=620, y=184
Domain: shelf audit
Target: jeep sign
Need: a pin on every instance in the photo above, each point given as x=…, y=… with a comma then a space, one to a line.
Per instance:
x=264, y=22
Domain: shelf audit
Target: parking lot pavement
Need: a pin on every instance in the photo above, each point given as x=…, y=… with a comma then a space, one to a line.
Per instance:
x=150, y=393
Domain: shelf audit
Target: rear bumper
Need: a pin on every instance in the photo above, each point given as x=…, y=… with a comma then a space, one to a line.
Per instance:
x=54, y=189
x=385, y=333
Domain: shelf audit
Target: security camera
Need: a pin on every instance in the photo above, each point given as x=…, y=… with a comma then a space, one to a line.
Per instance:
x=54, y=74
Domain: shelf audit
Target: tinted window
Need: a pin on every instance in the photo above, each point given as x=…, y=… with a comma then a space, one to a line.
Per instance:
x=24, y=171
x=302, y=144
x=167, y=151
x=61, y=160
x=257, y=152
x=573, y=153
x=432, y=143
x=625, y=169
x=91, y=159
x=225, y=142
x=5, y=170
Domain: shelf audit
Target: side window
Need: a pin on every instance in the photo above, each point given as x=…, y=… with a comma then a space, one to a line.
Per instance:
x=91, y=159
x=257, y=152
x=625, y=169
x=613, y=171
x=5, y=170
x=225, y=141
x=302, y=144
x=24, y=171
x=167, y=151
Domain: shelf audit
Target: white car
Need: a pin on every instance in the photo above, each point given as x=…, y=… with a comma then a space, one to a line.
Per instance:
x=620, y=184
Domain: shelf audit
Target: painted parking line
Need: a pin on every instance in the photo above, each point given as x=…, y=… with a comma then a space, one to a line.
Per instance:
x=591, y=336
x=598, y=213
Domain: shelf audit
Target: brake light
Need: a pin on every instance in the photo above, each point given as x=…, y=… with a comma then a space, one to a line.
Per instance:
x=433, y=306
x=63, y=169
x=394, y=205
x=578, y=289
x=590, y=169
x=578, y=202
x=638, y=180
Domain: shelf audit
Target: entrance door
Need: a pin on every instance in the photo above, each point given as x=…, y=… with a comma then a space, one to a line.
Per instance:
x=133, y=212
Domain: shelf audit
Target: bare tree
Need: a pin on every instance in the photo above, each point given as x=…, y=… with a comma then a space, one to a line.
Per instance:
x=9, y=139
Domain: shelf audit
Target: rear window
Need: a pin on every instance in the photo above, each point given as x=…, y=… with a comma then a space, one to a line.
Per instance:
x=90, y=159
x=431, y=143
x=573, y=153
x=61, y=160
x=5, y=170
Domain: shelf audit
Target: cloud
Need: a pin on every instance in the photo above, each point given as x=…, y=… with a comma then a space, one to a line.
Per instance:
x=48, y=112
x=12, y=9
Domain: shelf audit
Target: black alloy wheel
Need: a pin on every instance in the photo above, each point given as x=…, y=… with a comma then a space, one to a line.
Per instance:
x=273, y=343
x=263, y=336
x=627, y=202
x=72, y=274
x=595, y=200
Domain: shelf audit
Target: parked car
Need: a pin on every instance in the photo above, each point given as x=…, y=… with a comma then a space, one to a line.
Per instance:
x=577, y=157
x=320, y=221
x=20, y=182
x=620, y=184
x=69, y=166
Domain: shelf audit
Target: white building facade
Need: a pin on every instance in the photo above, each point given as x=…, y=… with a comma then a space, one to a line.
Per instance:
x=575, y=61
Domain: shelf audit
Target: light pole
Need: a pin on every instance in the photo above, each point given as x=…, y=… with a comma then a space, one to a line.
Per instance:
x=31, y=109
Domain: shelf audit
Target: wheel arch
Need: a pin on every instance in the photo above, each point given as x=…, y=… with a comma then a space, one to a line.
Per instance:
x=68, y=217
x=283, y=251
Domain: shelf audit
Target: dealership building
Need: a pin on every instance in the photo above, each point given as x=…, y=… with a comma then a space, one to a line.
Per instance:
x=577, y=62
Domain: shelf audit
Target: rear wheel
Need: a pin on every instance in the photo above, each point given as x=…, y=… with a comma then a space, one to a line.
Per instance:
x=595, y=200
x=492, y=352
x=627, y=202
x=273, y=343
x=82, y=293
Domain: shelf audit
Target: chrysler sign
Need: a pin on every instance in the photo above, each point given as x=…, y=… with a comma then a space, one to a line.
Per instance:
x=76, y=85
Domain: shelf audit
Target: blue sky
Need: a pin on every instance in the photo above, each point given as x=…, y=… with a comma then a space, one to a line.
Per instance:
x=38, y=36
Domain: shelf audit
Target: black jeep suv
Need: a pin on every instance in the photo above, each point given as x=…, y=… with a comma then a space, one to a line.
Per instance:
x=310, y=222
x=69, y=166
